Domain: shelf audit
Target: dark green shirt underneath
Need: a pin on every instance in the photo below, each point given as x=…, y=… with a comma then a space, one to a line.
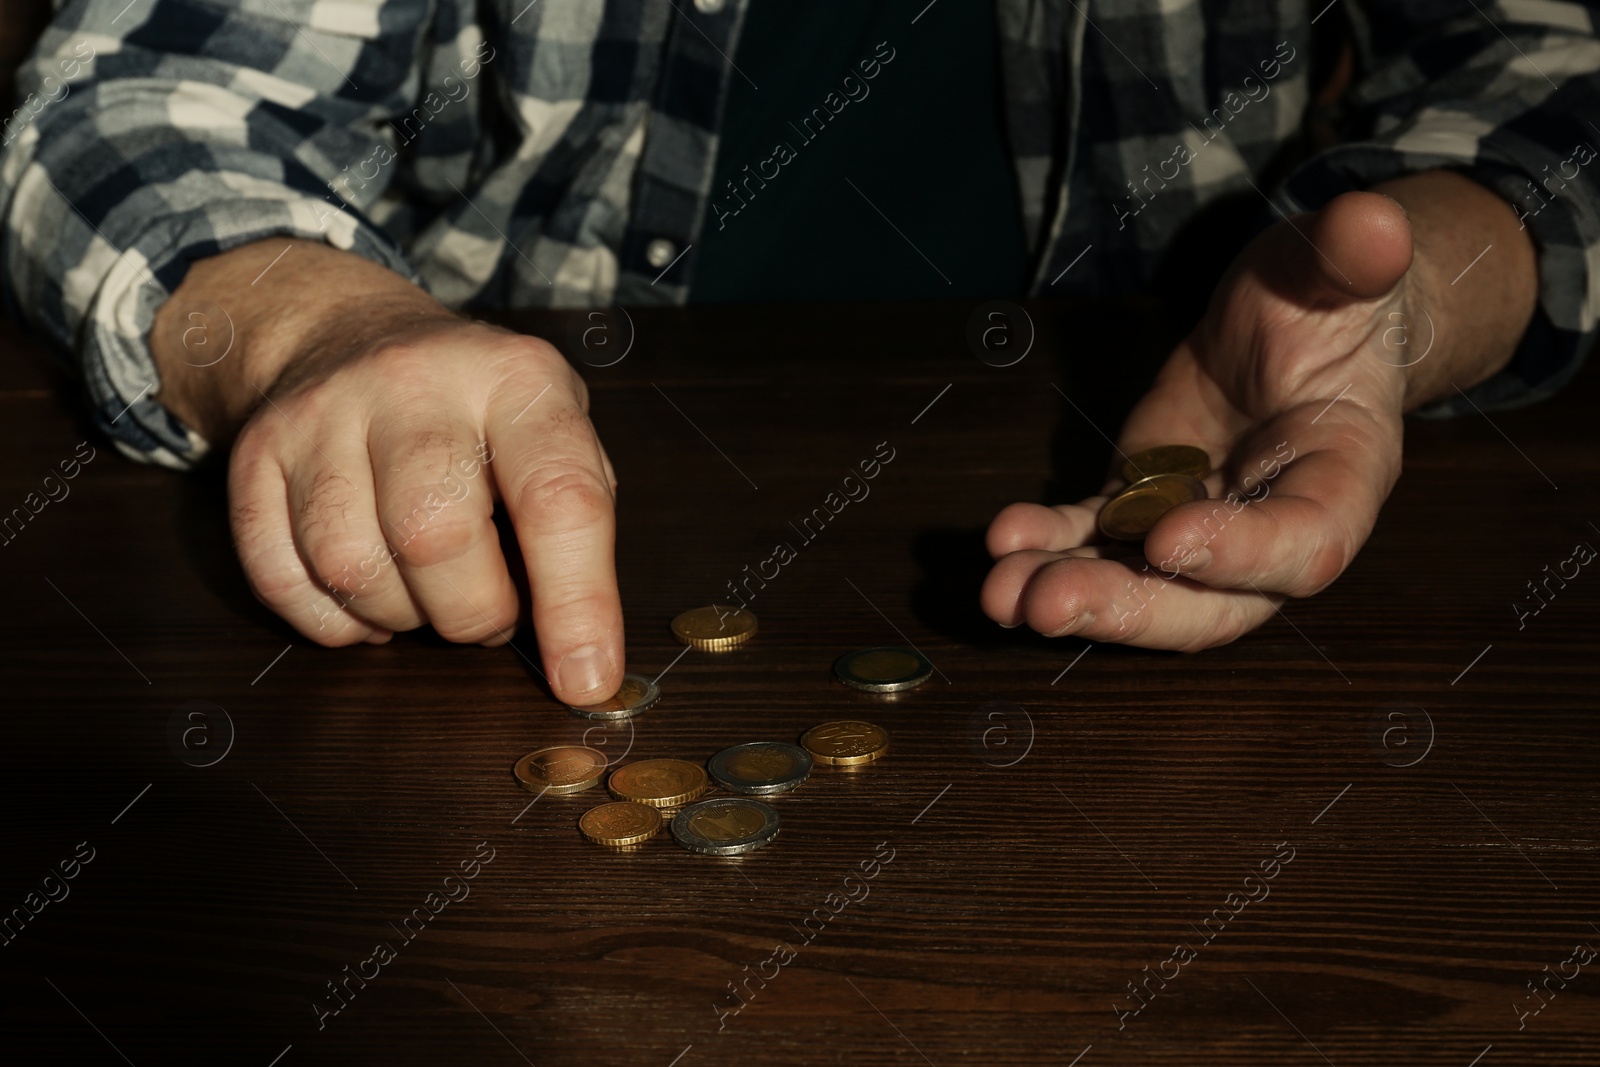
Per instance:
x=807, y=150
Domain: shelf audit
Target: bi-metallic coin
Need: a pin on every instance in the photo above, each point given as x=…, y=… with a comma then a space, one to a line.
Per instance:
x=883, y=670
x=637, y=694
x=760, y=767
x=725, y=826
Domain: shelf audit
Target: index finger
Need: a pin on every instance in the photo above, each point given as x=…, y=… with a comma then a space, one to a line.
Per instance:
x=548, y=466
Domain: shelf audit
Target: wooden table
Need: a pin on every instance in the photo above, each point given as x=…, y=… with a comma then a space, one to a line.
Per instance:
x=1401, y=778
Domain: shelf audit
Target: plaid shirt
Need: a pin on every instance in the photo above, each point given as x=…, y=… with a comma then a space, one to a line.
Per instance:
x=559, y=152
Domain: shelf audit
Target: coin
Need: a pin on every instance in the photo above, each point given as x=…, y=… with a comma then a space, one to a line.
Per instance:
x=620, y=823
x=1132, y=513
x=882, y=670
x=660, y=783
x=637, y=694
x=761, y=767
x=716, y=628
x=846, y=743
x=725, y=826
x=560, y=769
x=1166, y=459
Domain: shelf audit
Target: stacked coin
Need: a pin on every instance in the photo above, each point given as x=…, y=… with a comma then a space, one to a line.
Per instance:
x=1167, y=459
x=1161, y=479
x=716, y=628
x=725, y=826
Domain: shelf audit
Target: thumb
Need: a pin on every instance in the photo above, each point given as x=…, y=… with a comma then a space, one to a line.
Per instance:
x=1362, y=246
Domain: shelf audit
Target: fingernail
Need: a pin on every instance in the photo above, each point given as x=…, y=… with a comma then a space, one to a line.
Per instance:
x=501, y=637
x=1009, y=625
x=583, y=671
x=1197, y=560
x=379, y=637
x=1072, y=624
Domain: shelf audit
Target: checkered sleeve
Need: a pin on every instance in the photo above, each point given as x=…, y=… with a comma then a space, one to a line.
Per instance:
x=1508, y=94
x=158, y=132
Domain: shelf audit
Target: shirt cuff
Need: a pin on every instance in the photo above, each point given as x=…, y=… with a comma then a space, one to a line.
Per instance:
x=123, y=383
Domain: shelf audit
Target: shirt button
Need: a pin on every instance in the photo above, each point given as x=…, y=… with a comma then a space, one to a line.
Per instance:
x=709, y=7
x=660, y=252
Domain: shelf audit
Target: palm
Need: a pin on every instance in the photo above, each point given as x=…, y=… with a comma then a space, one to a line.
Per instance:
x=1263, y=373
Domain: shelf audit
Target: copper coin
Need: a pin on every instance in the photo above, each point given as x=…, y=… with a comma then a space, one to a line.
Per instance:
x=560, y=769
x=846, y=743
x=660, y=783
x=1166, y=459
x=715, y=628
x=620, y=823
x=1134, y=512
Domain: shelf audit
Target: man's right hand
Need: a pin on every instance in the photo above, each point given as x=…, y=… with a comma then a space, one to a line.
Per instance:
x=375, y=430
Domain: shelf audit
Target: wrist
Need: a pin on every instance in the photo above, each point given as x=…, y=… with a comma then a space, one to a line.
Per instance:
x=1472, y=285
x=323, y=346
x=270, y=315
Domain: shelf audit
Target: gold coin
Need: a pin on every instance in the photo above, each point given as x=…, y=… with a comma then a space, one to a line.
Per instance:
x=846, y=743
x=1166, y=459
x=1132, y=513
x=560, y=769
x=660, y=783
x=716, y=628
x=620, y=823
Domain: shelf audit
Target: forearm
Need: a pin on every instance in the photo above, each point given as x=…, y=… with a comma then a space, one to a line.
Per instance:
x=1478, y=310
x=268, y=305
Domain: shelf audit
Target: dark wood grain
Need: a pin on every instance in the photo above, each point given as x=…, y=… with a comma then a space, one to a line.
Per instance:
x=1419, y=902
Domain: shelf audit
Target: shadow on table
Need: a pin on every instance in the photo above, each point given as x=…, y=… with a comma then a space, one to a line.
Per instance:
x=1105, y=355
x=206, y=540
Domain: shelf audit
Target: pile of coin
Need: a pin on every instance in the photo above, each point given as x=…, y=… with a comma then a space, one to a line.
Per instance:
x=715, y=628
x=650, y=791
x=721, y=825
x=1159, y=480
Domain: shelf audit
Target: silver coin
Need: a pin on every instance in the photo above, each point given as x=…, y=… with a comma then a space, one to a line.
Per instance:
x=760, y=767
x=725, y=826
x=637, y=694
x=883, y=670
